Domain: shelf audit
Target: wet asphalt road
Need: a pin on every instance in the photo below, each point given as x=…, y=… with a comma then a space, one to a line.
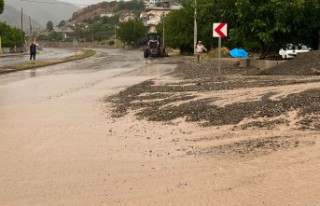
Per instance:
x=53, y=127
x=104, y=60
x=45, y=54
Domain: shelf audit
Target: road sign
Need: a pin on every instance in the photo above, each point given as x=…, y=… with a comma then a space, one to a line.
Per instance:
x=220, y=29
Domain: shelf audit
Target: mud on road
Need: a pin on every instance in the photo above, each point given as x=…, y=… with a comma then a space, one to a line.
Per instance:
x=287, y=98
x=236, y=139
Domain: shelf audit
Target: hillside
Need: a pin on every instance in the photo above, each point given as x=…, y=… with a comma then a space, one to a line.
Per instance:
x=94, y=10
x=13, y=18
x=54, y=11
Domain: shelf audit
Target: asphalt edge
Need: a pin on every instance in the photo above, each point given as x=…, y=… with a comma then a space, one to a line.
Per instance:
x=91, y=53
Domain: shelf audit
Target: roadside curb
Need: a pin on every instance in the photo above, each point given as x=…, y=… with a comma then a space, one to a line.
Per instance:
x=27, y=66
x=13, y=55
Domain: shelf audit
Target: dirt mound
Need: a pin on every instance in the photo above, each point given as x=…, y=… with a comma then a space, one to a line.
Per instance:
x=303, y=64
x=156, y=103
x=256, y=146
x=209, y=69
x=200, y=94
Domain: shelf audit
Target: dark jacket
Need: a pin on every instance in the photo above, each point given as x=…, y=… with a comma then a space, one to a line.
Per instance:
x=33, y=48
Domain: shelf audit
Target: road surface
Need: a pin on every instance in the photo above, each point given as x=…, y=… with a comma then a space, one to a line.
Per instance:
x=45, y=54
x=54, y=128
x=60, y=144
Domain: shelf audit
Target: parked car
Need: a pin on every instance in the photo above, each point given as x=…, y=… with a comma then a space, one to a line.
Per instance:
x=291, y=50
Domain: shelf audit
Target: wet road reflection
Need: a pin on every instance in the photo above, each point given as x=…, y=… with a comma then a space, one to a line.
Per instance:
x=45, y=54
x=103, y=60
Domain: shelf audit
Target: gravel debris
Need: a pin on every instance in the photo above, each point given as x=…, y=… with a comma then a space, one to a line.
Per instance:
x=179, y=99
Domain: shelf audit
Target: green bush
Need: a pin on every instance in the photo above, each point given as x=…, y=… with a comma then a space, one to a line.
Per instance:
x=111, y=42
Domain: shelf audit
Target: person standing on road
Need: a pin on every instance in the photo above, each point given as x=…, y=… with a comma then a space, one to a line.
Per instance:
x=33, y=51
x=199, y=50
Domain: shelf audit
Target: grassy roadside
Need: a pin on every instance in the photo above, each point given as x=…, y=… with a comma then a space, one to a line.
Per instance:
x=37, y=64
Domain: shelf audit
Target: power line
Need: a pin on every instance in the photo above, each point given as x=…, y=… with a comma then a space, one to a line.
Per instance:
x=44, y=2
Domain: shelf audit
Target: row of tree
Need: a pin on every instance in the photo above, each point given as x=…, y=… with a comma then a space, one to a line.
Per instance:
x=10, y=37
x=103, y=28
x=1, y=6
x=257, y=25
x=136, y=6
x=261, y=26
x=100, y=28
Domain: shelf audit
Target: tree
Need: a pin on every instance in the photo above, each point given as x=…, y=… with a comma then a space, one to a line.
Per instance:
x=1, y=6
x=49, y=26
x=179, y=25
x=257, y=25
x=136, y=6
x=42, y=37
x=131, y=31
x=102, y=28
x=99, y=29
x=309, y=24
x=62, y=23
x=54, y=36
x=121, y=5
x=10, y=36
x=275, y=22
x=179, y=30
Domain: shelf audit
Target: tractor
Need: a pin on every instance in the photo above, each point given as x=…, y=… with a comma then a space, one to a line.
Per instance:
x=154, y=47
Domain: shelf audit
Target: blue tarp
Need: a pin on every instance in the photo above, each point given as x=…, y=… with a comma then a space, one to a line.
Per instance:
x=238, y=53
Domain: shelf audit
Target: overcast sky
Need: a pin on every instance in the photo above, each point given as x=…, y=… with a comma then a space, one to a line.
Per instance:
x=83, y=3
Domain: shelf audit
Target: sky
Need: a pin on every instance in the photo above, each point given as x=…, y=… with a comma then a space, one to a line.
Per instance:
x=82, y=3
x=79, y=3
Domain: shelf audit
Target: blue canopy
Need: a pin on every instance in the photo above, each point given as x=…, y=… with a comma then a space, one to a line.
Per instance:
x=238, y=53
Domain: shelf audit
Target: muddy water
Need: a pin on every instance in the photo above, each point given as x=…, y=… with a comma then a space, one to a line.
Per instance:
x=60, y=145
x=47, y=53
x=53, y=128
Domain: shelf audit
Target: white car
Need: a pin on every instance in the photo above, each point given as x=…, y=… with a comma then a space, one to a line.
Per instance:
x=291, y=50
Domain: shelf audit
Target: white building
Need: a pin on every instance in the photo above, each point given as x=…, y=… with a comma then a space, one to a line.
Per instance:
x=153, y=14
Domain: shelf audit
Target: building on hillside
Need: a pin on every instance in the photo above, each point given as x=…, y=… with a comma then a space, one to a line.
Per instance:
x=108, y=14
x=66, y=31
x=153, y=14
x=159, y=3
x=154, y=1
x=81, y=24
x=127, y=16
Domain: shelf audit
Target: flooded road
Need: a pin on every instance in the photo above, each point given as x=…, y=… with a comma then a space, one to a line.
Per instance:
x=54, y=126
x=61, y=145
x=45, y=54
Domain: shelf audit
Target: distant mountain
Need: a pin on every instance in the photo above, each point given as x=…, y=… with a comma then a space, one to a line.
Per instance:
x=13, y=18
x=52, y=10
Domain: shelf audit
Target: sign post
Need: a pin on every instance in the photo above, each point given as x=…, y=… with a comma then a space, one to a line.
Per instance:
x=75, y=43
x=0, y=46
x=219, y=31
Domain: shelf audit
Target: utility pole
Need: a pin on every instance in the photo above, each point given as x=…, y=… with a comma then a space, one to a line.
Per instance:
x=0, y=46
x=195, y=29
x=92, y=36
x=30, y=29
x=115, y=36
x=22, y=37
x=163, y=23
x=21, y=18
x=134, y=31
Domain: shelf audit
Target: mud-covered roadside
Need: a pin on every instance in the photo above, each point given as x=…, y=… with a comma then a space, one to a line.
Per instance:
x=157, y=101
x=60, y=144
x=43, y=63
x=245, y=99
x=168, y=102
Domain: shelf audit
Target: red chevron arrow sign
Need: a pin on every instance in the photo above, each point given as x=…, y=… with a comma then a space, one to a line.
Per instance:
x=220, y=29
